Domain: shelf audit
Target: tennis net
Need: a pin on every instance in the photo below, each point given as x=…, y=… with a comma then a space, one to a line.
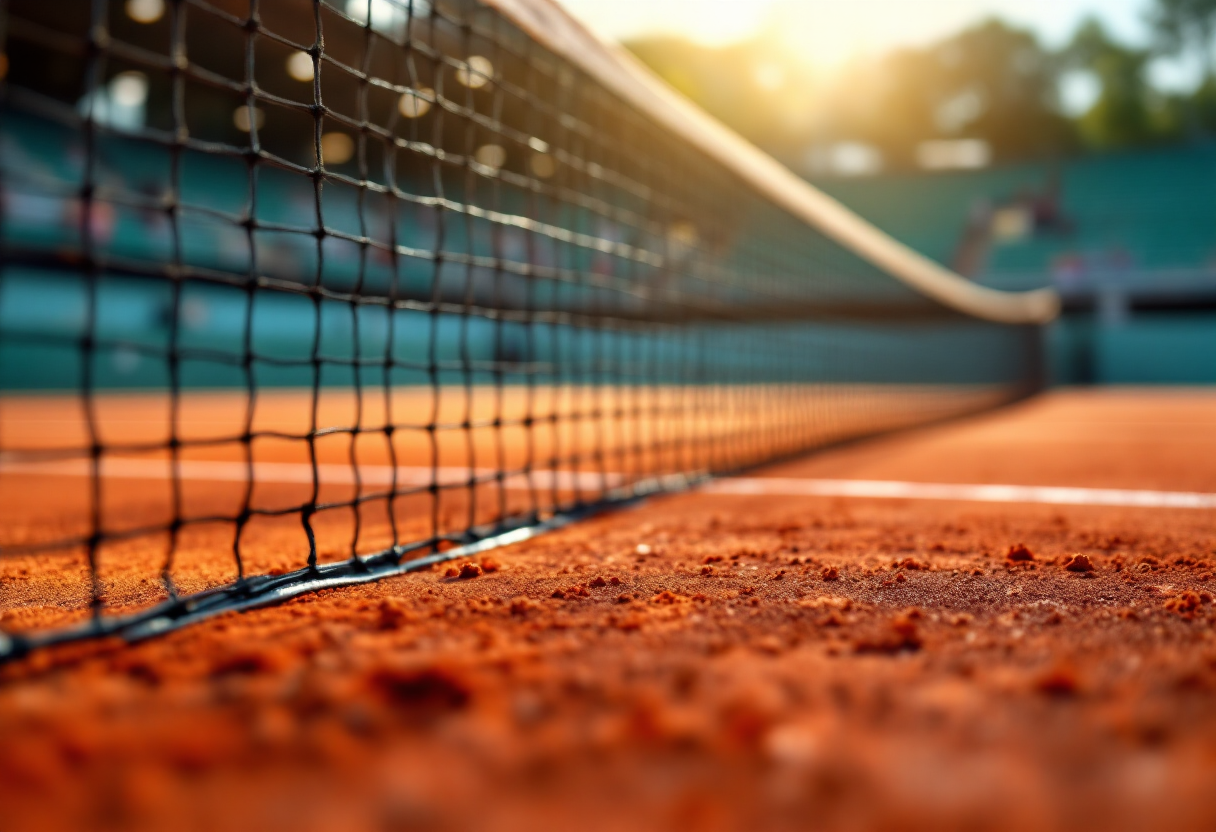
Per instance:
x=298, y=293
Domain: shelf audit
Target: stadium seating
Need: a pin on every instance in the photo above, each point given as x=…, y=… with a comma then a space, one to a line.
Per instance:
x=930, y=212
x=1139, y=223
x=1143, y=211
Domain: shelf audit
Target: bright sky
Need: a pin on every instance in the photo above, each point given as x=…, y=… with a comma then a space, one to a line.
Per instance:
x=829, y=32
x=835, y=28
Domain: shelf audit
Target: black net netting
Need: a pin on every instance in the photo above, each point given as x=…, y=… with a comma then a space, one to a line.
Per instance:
x=299, y=293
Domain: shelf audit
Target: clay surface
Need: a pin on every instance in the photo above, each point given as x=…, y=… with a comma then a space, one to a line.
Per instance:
x=699, y=662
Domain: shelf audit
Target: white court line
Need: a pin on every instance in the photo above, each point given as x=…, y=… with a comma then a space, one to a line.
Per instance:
x=898, y=490
x=334, y=474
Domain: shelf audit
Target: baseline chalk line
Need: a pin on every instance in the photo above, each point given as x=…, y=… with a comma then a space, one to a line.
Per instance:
x=899, y=490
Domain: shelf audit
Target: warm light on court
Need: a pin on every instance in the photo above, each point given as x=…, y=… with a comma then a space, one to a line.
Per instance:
x=240, y=117
x=414, y=103
x=299, y=66
x=491, y=156
x=129, y=89
x=145, y=11
x=475, y=73
x=3, y=66
x=337, y=148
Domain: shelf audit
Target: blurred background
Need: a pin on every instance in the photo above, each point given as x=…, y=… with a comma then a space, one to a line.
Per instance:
x=1023, y=143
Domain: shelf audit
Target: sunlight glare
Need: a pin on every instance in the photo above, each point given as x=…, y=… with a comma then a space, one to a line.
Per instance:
x=826, y=33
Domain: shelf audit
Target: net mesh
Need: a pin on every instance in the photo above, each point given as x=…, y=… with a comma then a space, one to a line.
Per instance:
x=292, y=286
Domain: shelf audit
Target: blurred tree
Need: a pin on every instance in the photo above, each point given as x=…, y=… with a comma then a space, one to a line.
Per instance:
x=892, y=104
x=1127, y=112
x=1014, y=84
x=1187, y=25
x=992, y=82
x=755, y=89
x=1200, y=109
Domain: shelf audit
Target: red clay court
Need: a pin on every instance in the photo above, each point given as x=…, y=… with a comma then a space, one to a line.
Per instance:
x=416, y=415
x=702, y=661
